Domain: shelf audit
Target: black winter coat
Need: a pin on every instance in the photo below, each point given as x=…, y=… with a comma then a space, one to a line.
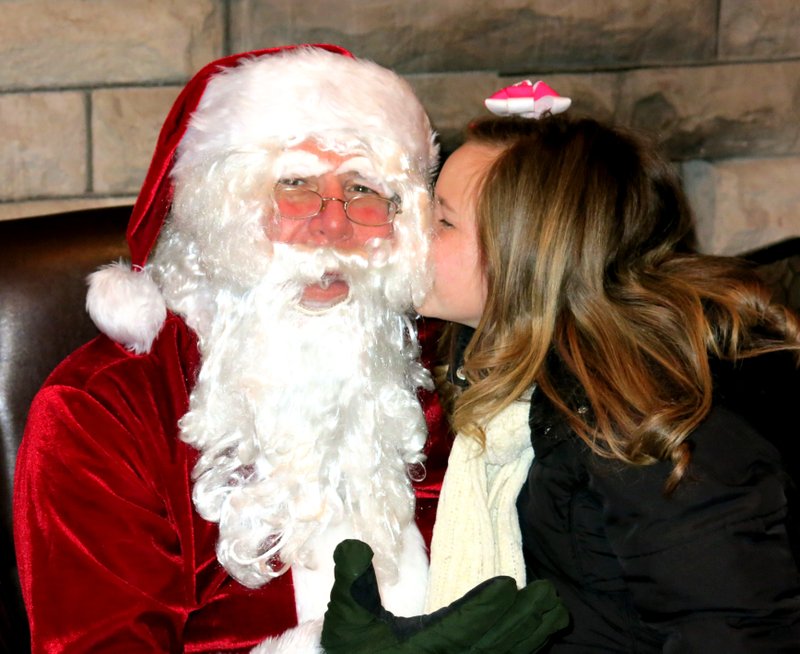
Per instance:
x=709, y=568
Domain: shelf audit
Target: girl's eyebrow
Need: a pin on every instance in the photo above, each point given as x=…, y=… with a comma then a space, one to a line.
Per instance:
x=442, y=202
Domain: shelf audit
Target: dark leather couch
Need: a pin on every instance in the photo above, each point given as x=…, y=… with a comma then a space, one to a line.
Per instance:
x=43, y=265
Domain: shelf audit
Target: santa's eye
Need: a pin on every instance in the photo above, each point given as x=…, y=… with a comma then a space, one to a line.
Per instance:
x=295, y=182
x=360, y=188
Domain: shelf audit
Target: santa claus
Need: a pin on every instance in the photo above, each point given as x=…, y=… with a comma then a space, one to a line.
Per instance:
x=253, y=399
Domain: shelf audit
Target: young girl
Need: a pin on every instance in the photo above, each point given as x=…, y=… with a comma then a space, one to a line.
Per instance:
x=625, y=409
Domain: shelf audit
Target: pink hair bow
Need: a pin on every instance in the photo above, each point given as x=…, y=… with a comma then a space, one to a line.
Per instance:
x=527, y=99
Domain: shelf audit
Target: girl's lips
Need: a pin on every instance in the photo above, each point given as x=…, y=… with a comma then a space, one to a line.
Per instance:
x=327, y=293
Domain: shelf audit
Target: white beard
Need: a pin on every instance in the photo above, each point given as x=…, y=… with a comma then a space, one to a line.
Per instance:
x=306, y=422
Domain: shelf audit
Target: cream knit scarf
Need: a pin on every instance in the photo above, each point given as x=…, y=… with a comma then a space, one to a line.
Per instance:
x=476, y=535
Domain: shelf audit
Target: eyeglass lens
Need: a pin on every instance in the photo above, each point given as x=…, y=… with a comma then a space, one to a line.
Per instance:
x=298, y=203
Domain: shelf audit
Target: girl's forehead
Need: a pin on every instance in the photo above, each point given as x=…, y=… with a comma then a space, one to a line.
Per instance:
x=464, y=170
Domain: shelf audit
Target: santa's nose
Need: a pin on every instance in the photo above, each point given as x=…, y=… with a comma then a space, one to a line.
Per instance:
x=331, y=224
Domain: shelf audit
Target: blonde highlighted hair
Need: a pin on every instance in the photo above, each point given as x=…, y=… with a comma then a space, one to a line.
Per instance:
x=582, y=229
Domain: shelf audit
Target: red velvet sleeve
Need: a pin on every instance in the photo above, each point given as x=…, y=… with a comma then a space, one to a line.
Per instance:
x=97, y=548
x=112, y=556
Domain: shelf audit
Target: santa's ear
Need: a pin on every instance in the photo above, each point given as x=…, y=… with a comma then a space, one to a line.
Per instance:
x=126, y=305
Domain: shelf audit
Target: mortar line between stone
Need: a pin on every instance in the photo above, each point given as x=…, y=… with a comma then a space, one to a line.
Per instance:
x=226, y=27
x=87, y=100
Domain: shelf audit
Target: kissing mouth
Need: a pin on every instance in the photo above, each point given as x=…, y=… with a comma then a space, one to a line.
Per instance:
x=329, y=291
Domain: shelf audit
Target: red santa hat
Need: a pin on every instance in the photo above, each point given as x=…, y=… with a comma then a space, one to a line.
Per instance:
x=255, y=99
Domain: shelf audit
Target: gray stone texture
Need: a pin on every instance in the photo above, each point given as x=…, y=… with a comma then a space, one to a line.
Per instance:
x=86, y=84
x=43, y=147
x=125, y=125
x=695, y=112
x=67, y=43
x=717, y=111
x=759, y=200
x=759, y=28
x=506, y=36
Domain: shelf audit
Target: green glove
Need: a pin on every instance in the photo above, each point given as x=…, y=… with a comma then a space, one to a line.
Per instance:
x=493, y=617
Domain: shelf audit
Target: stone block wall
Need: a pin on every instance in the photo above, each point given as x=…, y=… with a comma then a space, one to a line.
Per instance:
x=85, y=85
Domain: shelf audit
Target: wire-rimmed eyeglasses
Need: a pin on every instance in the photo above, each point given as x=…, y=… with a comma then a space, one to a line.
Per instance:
x=300, y=203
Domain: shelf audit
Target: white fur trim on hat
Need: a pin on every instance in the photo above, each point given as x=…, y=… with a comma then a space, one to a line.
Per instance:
x=126, y=305
x=282, y=99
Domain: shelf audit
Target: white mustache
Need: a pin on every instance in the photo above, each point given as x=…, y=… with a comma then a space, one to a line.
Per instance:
x=310, y=265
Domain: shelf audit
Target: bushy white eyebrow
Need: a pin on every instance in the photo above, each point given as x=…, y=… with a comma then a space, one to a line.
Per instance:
x=299, y=163
x=363, y=168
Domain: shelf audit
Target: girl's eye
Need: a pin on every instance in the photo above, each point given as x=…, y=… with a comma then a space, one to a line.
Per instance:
x=439, y=217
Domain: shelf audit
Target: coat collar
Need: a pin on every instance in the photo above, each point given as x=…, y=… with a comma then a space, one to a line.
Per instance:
x=548, y=425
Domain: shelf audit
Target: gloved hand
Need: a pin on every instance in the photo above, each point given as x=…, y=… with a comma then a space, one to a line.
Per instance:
x=494, y=617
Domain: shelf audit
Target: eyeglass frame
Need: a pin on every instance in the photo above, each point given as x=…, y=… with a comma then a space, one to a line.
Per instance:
x=345, y=203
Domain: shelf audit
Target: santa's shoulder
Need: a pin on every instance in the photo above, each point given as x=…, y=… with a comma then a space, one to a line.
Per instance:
x=103, y=361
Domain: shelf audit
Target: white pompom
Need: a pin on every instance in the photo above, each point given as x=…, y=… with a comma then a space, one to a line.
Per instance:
x=126, y=305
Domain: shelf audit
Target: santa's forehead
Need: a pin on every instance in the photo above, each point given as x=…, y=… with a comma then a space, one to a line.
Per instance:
x=303, y=160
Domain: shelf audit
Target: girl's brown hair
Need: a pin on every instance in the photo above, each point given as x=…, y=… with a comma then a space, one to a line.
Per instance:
x=582, y=229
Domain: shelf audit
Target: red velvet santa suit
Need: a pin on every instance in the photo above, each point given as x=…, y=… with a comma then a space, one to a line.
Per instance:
x=103, y=503
x=103, y=497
